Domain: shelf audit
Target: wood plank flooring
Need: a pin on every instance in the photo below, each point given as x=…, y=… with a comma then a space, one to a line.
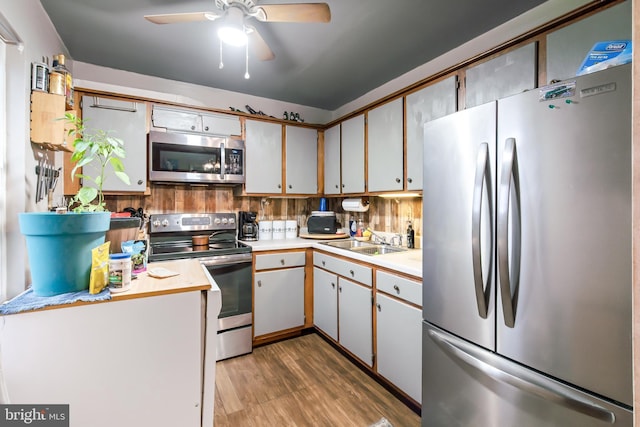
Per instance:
x=300, y=382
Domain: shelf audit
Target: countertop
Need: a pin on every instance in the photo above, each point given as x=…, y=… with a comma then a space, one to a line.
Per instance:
x=408, y=262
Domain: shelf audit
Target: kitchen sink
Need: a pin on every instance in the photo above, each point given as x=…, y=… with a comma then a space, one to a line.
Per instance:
x=365, y=248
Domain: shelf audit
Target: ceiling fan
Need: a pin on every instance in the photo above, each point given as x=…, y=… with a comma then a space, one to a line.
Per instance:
x=236, y=13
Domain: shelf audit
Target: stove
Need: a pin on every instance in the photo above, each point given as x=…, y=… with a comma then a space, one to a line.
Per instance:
x=170, y=236
x=227, y=262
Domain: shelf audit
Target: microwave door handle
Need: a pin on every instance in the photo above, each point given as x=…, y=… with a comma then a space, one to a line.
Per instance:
x=223, y=160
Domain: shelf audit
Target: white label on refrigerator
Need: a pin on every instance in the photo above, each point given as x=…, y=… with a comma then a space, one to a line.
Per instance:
x=597, y=90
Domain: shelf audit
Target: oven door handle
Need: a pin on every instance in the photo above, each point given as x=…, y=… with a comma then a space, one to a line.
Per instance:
x=226, y=260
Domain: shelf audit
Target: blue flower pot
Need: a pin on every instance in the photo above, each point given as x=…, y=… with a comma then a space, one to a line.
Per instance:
x=59, y=248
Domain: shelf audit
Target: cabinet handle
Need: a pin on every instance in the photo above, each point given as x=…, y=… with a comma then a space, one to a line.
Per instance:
x=193, y=128
x=396, y=288
x=206, y=128
x=340, y=288
x=398, y=180
x=139, y=182
x=342, y=185
x=282, y=261
x=259, y=283
x=290, y=186
x=352, y=273
x=323, y=263
x=337, y=186
x=279, y=186
x=409, y=180
x=333, y=285
x=379, y=307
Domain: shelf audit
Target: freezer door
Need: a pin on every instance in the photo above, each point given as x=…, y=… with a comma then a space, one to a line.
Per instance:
x=564, y=257
x=466, y=385
x=458, y=242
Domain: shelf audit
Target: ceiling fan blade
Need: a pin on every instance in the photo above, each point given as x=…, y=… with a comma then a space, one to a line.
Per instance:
x=174, y=18
x=259, y=47
x=296, y=12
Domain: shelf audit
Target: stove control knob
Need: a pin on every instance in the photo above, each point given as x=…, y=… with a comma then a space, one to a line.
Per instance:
x=165, y=222
x=156, y=223
x=216, y=221
x=225, y=220
x=232, y=220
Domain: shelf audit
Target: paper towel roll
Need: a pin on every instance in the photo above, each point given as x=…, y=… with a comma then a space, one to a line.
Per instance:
x=354, y=205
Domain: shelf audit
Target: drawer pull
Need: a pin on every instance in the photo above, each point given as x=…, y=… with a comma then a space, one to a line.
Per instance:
x=323, y=263
x=379, y=307
x=259, y=283
x=397, y=289
x=352, y=273
x=282, y=261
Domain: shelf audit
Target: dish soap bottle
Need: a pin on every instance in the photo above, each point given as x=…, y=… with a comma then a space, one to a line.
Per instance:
x=410, y=236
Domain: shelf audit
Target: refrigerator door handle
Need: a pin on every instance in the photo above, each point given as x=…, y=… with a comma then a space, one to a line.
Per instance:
x=507, y=272
x=482, y=173
x=498, y=369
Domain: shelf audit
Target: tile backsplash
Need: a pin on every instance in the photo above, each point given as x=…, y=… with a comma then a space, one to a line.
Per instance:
x=386, y=215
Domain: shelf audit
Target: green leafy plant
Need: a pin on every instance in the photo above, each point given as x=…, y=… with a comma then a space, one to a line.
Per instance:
x=93, y=145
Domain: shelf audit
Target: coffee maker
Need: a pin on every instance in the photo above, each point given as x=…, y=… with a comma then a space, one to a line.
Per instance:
x=247, y=226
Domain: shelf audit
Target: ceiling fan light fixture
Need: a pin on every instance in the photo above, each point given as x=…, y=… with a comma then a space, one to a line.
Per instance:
x=232, y=30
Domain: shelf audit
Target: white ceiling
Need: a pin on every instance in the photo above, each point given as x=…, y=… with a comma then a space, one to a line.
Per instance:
x=366, y=44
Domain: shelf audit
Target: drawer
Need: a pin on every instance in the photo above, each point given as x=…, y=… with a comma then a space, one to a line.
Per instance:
x=350, y=270
x=281, y=260
x=406, y=289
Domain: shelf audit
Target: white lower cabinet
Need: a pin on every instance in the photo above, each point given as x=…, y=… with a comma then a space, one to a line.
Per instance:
x=325, y=302
x=399, y=332
x=278, y=292
x=355, y=325
x=342, y=304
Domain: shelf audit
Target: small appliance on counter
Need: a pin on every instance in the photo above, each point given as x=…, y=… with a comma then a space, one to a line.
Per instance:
x=323, y=222
x=247, y=225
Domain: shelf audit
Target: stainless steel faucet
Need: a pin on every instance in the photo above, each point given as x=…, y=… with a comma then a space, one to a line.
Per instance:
x=397, y=237
x=377, y=238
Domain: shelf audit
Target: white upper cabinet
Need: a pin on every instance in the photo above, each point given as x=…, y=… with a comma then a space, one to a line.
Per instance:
x=332, y=160
x=302, y=160
x=353, y=155
x=432, y=102
x=184, y=120
x=263, y=142
x=385, y=150
x=127, y=120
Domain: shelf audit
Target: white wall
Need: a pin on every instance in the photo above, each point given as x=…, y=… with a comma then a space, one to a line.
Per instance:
x=32, y=25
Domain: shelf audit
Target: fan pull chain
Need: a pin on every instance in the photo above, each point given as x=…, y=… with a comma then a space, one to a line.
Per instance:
x=246, y=59
x=221, y=65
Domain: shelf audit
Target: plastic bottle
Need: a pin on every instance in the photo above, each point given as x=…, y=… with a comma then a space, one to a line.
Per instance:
x=352, y=226
x=410, y=236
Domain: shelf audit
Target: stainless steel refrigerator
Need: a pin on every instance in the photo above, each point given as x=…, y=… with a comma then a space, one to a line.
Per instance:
x=527, y=259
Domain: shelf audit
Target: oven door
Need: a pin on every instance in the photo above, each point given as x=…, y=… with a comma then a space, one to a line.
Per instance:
x=232, y=274
x=199, y=159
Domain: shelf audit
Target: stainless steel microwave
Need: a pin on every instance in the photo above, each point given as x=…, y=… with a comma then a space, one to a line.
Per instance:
x=198, y=159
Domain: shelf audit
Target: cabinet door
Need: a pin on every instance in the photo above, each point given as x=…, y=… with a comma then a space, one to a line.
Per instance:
x=353, y=155
x=354, y=314
x=325, y=302
x=263, y=142
x=279, y=300
x=332, y=160
x=128, y=121
x=176, y=119
x=302, y=160
x=385, y=150
x=399, y=344
x=219, y=124
x=434, y=101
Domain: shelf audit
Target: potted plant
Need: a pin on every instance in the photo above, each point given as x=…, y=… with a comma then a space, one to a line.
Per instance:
x=59, y=245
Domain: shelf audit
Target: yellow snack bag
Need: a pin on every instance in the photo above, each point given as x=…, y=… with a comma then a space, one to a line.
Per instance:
x=99, y=268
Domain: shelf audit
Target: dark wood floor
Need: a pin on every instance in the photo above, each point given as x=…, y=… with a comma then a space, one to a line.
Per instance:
x=301, y=382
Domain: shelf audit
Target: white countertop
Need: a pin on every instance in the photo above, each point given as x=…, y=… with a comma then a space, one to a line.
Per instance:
x=409, y=262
